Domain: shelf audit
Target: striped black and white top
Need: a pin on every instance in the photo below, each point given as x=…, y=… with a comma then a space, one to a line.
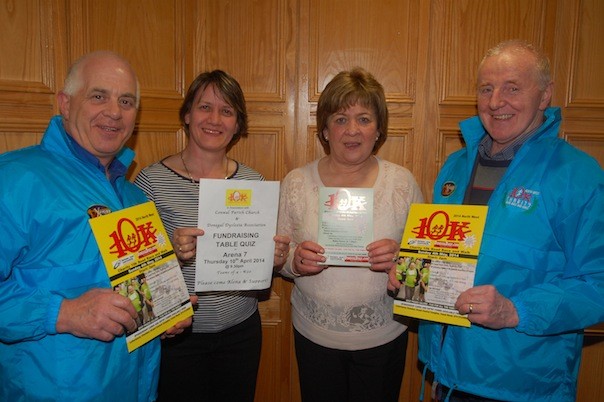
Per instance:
x=177, y=198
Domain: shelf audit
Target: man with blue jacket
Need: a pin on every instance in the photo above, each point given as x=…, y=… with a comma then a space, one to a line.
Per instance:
x=61, y=325
x=540, y=275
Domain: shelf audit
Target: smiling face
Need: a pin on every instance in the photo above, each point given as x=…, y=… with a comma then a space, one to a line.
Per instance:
x=510, y=99
x=212, y=121
x=351, y=134
x=101, y=113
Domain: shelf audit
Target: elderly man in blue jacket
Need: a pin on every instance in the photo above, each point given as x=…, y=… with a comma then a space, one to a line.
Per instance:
x=540, y=275
x=61, y=326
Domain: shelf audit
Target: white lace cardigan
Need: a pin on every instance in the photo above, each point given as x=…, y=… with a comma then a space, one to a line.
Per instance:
x=341, y=307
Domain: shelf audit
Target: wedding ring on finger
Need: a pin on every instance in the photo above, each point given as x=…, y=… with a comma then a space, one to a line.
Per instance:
x=471, y=309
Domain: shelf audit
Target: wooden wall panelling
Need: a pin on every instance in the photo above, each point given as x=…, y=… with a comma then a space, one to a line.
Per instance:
x=31, y=69
x=586, y=83
x=150, y=34
x=590, y=142
x=591, y=380
x=269, y=384
x=152, y=146
x=245, y=39
x=248, y=40
x=262, y=149
x=423, y=118
x=462, y=32
x=471, y=27
x=399, y=147
x=578, y=82
x=10, y=141
x=382, y=39
x=422, y=122
x=302, y=104
x=314, y=148
x=579, y=89
x=449, y=141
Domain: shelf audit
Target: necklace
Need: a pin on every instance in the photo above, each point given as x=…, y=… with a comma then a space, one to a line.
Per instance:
x=226, y=169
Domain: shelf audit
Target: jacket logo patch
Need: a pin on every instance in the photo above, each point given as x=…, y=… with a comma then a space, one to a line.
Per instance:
x=447, y=189
x=522, y=198
x=98, y=210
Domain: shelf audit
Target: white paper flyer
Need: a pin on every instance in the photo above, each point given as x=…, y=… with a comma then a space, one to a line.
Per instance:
x=239, y=218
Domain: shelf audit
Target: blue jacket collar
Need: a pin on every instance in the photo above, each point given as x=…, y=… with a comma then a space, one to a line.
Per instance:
x=57, y=140
x=472, y=129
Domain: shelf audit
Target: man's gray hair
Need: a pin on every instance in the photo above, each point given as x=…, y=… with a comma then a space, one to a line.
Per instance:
x=73, y=81
x=542, y=66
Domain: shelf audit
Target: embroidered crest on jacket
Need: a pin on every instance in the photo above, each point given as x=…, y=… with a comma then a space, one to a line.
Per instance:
x=521, y=197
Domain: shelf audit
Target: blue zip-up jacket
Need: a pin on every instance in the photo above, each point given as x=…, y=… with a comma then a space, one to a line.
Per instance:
x=48, y=253
x=542, y=248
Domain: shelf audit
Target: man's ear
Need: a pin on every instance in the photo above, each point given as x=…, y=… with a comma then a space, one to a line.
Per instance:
x=546, y=97
x=63, y=101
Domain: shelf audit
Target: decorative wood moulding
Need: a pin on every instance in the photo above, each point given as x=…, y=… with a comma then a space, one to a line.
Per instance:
x=26, y=112
x=469, y=29
x=263, y=150
x=257, y=57
x=393, y=62
x=26, y=87
x=397, y=148
x=592, y=143
x=586, y=82
x=448, y=142
x=593, y=138
x=585, y=103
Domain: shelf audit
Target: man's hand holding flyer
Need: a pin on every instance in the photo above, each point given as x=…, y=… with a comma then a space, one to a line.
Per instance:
x=142, y=266
x=437, y=260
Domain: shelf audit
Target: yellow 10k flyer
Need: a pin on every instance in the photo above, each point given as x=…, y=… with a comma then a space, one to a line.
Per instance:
x=437, y=260
x=142, y=266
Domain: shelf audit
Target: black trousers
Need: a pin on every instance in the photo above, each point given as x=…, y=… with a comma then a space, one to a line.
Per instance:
x=458, y=396
x=333, y=375
x=214, y=367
